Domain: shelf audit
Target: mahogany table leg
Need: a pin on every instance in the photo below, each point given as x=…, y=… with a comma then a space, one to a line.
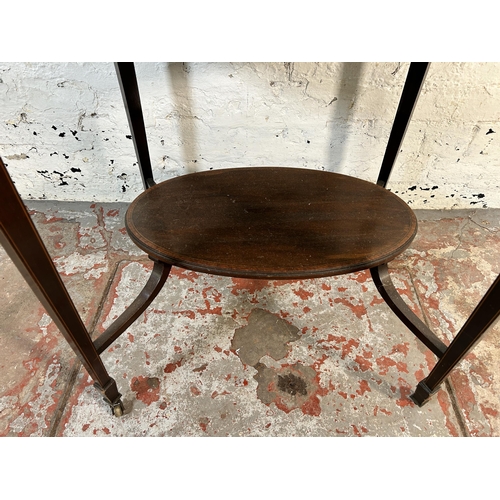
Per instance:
x=155, y=283
x=483, y=316
x=24, y=246
x=411, y=90
x=387, y=290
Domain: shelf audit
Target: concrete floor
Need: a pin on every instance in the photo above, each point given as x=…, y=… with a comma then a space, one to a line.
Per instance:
x=216, y=356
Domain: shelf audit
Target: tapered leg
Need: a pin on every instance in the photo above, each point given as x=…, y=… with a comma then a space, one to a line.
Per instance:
x=407, y=103
x=387, y=290
x=132, y=101
x=24, y=246
x=149, y=292
x=479, y=321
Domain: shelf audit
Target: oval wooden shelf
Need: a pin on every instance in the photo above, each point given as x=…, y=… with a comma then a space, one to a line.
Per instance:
x=270, y=223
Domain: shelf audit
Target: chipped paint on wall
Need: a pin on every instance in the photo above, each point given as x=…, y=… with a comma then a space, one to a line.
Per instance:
x=64, y=133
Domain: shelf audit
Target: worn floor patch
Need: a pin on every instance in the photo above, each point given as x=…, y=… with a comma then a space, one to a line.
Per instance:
x=290, y=387
x=265, y=334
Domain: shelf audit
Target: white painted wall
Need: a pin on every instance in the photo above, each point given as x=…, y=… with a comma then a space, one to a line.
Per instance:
x=63, y=132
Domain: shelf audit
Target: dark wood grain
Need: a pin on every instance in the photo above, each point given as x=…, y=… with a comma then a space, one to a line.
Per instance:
x=271, y=223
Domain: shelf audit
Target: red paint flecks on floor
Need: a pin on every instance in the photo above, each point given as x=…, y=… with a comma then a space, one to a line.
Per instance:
x=356, y=431
x=430, y=359
x=194, y=390
x=312, y=406
x=348, y=346
x=146, y=389
x=209, y=310
x=445, y=406
x=333, y=338
x=488, y=411
x=215, y=394
x=359, y=310
x=361, y=277
x=465, y=396
x=204, y=421
x=405, y=391
x=382, y=410
x=251, y=286
x=56, y=239
x=363, y=363
x=191, y=276
x=317, y=364
x=171, y=367
x=189, y=314
x=384, y=362
x=39, y=363
x=479, y=369
x=376, y=300
x=211, y=293
x=363, y=387
x=246, y=285
x=404, y=348
x=303, y=294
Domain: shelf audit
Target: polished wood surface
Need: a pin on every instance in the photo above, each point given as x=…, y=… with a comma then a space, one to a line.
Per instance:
x=270, y=222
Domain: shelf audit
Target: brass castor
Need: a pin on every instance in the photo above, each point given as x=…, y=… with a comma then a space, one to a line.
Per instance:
x=118, y=409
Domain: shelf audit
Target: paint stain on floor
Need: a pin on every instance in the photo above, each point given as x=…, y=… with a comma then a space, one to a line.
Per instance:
x=216, y=356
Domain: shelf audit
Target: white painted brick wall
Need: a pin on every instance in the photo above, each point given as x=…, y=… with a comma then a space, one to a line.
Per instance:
x=63, y=132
